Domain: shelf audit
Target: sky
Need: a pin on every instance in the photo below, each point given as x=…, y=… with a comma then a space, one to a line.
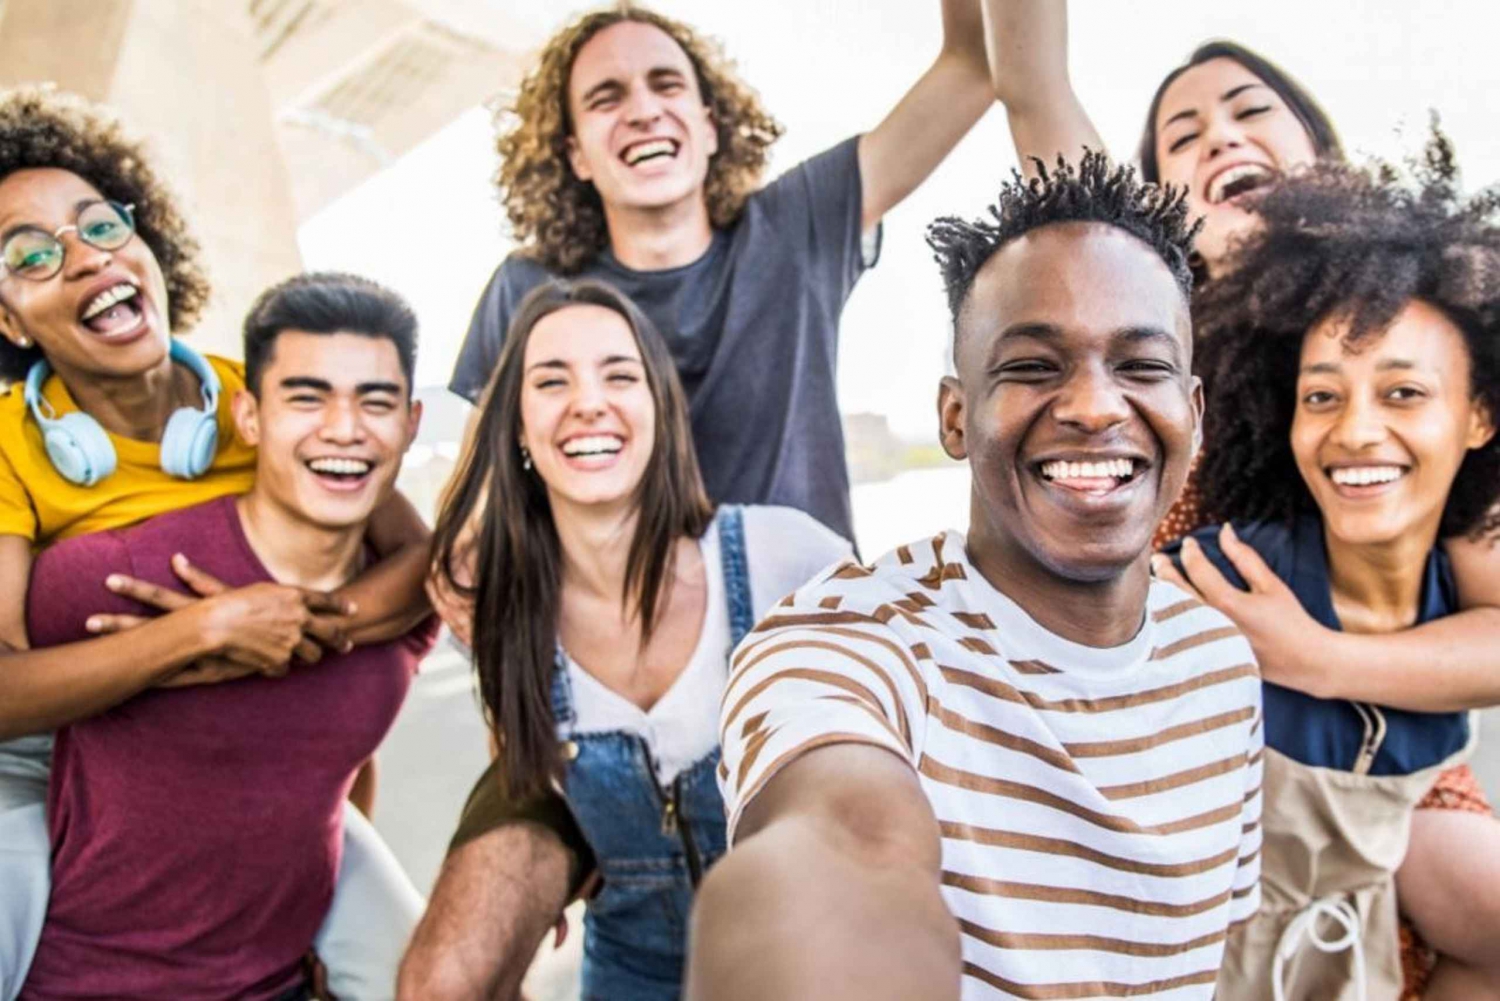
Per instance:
x=430, y=225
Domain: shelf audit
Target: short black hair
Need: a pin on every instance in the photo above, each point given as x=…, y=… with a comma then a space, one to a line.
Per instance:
x=1354, y=246
x=1093, y=192
x=1314, y=119
x=328, y=302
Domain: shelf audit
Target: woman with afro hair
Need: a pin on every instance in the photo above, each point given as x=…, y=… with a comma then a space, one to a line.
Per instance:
x=110, y=419
x=1352, y=347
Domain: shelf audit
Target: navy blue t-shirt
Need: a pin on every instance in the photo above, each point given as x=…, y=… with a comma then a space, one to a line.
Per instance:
x=1329, y=733
x=753, y=327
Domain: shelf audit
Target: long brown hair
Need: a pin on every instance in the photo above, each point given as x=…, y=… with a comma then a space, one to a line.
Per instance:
x=518, y=557
x=558, y=218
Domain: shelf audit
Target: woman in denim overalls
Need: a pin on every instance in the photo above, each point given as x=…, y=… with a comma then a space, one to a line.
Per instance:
x=608, y=594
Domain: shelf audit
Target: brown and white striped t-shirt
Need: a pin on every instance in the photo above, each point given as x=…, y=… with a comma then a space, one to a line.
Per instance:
x=1099, y=808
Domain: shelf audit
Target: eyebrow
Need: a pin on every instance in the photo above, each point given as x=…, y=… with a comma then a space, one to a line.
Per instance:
x=78, y=207
x=1051, y=333
x=324, y=386
x=1228, y=95
x=599, y=88
x=559, y=363
x=1333, y=367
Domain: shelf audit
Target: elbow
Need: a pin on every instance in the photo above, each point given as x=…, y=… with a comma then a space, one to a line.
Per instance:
x=436, y=974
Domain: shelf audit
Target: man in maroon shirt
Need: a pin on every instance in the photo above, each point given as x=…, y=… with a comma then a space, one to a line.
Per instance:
x=196, y=830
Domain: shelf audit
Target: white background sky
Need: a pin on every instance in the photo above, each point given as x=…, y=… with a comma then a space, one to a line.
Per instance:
x=430, y=225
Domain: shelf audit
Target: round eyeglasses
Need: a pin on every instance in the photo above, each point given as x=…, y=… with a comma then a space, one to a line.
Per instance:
x=32, y=253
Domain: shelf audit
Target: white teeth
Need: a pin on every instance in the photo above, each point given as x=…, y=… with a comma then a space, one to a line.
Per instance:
x=1060, y=470
x=596, y=444
x=1362, y=476
x=1228, y=177
x=104, y=300
x=340, y=467
x=635, y=154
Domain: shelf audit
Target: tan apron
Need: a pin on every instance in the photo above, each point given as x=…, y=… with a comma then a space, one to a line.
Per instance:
x=1327, y=928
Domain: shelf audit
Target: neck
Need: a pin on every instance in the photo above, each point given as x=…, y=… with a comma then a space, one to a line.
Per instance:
x=135, y=406
x=294, y=550
x=1377, y=587
x=660, y=238
x=595, y=546
x=1103, y=614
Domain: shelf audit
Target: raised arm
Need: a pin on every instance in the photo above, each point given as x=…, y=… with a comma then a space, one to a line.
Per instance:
x=939, y=109
x=831, y=891
x=1028, y=64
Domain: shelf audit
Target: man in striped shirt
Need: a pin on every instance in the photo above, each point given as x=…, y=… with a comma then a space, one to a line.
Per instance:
x=1009, y=765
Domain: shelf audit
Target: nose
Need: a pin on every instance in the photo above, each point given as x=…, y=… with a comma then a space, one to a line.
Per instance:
x=80, y=259
x=1091, y=402
x=1359, y=426
x=588, y=399
x=642, y=106
x=342, y=423
x=1222, y=134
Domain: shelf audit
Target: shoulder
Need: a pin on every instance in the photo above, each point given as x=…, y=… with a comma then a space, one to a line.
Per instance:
x=1274, y=540
x=810, y=181
x=518, y=274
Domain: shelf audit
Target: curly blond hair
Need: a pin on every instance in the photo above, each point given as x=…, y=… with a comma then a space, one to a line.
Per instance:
x=559, y=219
x=40, y=127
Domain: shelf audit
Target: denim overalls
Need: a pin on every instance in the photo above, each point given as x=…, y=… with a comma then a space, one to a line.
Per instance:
x=652, y=844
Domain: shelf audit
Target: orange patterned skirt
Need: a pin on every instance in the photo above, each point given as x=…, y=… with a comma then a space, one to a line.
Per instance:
x=1455, y=789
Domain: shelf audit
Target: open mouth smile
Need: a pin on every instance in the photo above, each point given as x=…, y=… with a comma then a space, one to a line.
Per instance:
x=114, y=312
x=647, y=150
x=340, y=473
x=1241, y=179
x=1355, y=482
x=1094, y=478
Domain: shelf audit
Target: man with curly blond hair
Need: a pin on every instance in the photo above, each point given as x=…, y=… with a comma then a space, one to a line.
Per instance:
x=634, y=155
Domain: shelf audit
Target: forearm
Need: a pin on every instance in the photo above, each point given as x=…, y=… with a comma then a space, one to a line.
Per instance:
x=1027, y=41
x=790, y=914
x=41, y=690
x=1445, y=665
x=390, y=598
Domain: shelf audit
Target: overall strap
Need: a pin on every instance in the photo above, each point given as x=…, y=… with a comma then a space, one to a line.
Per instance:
x=562, y=696
x=736, y=572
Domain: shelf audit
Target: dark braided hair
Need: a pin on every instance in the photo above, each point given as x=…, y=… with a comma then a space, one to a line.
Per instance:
x=1352, y=246
x=1093, y=192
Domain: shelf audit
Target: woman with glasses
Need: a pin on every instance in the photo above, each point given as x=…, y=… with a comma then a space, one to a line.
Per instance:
x=109, y=420
x=607, y=595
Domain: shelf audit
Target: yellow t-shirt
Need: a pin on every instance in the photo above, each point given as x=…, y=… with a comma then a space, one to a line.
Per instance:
x=37, y=503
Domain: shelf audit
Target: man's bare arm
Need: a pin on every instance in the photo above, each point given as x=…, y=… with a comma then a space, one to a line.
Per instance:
x=495, y=899
x=1028, y=61
x=938, y=111
x=831, y=891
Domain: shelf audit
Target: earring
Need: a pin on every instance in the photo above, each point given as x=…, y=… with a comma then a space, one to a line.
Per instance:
x=525, y=458
x=24, y=342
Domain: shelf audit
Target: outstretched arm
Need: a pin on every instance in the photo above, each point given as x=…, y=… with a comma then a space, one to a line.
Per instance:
x=938, y=111
x=1446, y=665
x=831, y=891
x=389, y=598
x=1028, y=64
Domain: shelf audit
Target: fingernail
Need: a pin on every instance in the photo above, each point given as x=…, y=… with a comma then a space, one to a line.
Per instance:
x=1229, y=530
x=350, y=608
x=113, y=582
x=93, y=625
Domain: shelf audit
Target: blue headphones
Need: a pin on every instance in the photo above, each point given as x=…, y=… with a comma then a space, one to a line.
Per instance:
x=81, y=451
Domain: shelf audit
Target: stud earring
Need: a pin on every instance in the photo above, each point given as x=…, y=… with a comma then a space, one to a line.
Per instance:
x=24, y=342
x=525, y=458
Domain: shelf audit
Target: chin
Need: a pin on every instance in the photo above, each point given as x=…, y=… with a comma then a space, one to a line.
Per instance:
x=1091, y=564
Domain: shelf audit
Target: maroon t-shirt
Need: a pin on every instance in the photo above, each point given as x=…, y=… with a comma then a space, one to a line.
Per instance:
x=196, y=831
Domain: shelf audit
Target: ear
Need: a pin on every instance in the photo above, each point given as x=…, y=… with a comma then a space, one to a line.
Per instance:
x=10, y=328
x=1481, y=426
x=1198, y=406
x=951, y=418
x=413, y=422
x=713, y=129
x=577, y=162
x=246, y=410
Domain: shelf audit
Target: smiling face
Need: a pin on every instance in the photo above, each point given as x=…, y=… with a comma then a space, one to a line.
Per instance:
x=642, y=134
x=1221, y=132
x=1074, y=403
x=332, y=421
x=1379, y=433
x=104, y=315
x=588, y=416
